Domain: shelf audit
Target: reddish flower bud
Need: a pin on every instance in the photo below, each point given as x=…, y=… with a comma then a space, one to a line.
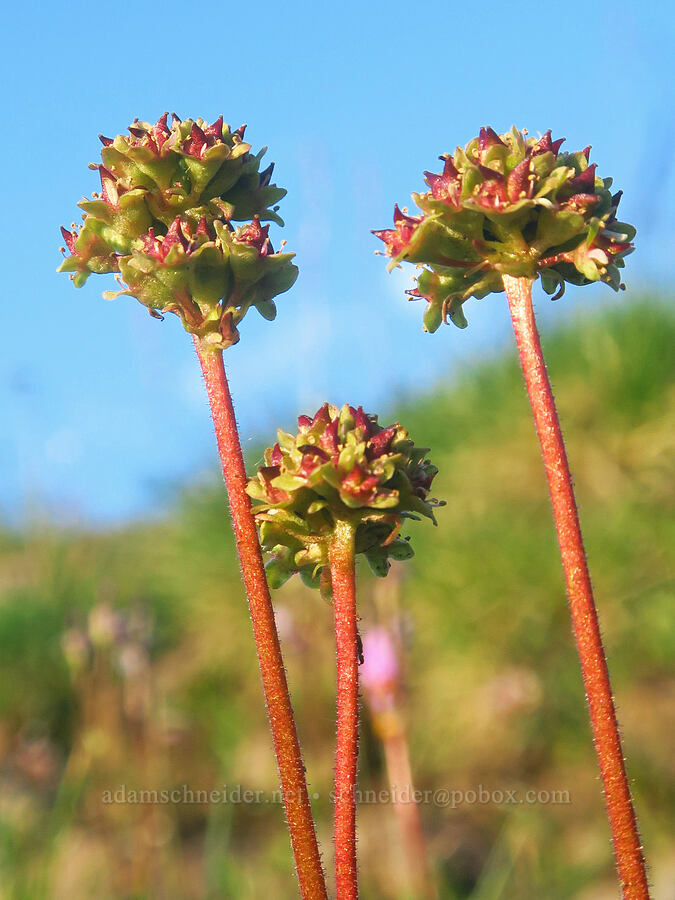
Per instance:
x=322, y=415
x=546, y=145
x=158, y=247
x=361, y=419
x=582, y=202
x=380, y=442
x=359, y=485
x=215, y=130
x=492, y=194
x=69, y=237
x=397, y=239
x=487, y=137
x=585, y=182
x=518, y=183
x=109, y=188
x=446, y=187
x=489, y=173
x=268, y=474
x=204, y=228
x=276, y=456
x=329, y=439
x=256, y=236
x=197, y=142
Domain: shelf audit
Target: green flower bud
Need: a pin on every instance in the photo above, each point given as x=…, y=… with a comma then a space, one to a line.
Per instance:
x=340, y=466
x=163, y=222
x=509, y=205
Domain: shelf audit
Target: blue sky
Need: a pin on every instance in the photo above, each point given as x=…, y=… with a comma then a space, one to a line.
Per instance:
x=102, y=409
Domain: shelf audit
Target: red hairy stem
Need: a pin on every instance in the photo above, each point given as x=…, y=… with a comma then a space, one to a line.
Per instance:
x=342, y=570
x=275, y=686
x=627, y=847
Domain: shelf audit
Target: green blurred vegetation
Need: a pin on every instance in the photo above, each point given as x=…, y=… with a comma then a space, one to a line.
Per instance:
x=126, y=659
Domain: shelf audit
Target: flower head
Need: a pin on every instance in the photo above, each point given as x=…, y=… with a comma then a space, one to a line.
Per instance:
x=163, y=221
x=341, y=465
x=509, y=205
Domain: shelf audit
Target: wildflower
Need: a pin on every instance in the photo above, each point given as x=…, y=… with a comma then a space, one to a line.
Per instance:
x=509, y=205
x=342, y=465
x=163, y=223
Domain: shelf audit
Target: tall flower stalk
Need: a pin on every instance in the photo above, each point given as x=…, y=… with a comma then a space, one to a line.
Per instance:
x=381, y=677
x=340, y=487
x=163, y=223
x=342, y=554
x=506, y=210
x=580, y=592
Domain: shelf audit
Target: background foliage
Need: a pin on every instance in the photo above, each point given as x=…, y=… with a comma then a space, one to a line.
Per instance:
x=126, y=659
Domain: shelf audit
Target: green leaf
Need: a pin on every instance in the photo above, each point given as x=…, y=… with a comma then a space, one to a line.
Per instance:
x=80, y=278
x=552, y=183
x=267, y=309
x=433, y=317
x=557, y=227
x=400, y=550
x=438, y=287
x=378, y=562
x=542, y=164
x=550, y=281
x=433, y=243
x=311, y=577
x=288, y=482
x=456, y=313
x=277, y=573
x=620, y=231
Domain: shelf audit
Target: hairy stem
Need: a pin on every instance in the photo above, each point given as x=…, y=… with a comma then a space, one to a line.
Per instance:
x=342, y=570
x=277, y=698
x=627, y=847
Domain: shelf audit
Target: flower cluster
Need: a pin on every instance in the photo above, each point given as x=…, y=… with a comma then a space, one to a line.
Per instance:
x=163, y=222
x=509, y=205
x=340, y=466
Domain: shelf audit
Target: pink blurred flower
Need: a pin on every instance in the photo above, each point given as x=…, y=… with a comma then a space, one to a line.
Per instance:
x=381, y=670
